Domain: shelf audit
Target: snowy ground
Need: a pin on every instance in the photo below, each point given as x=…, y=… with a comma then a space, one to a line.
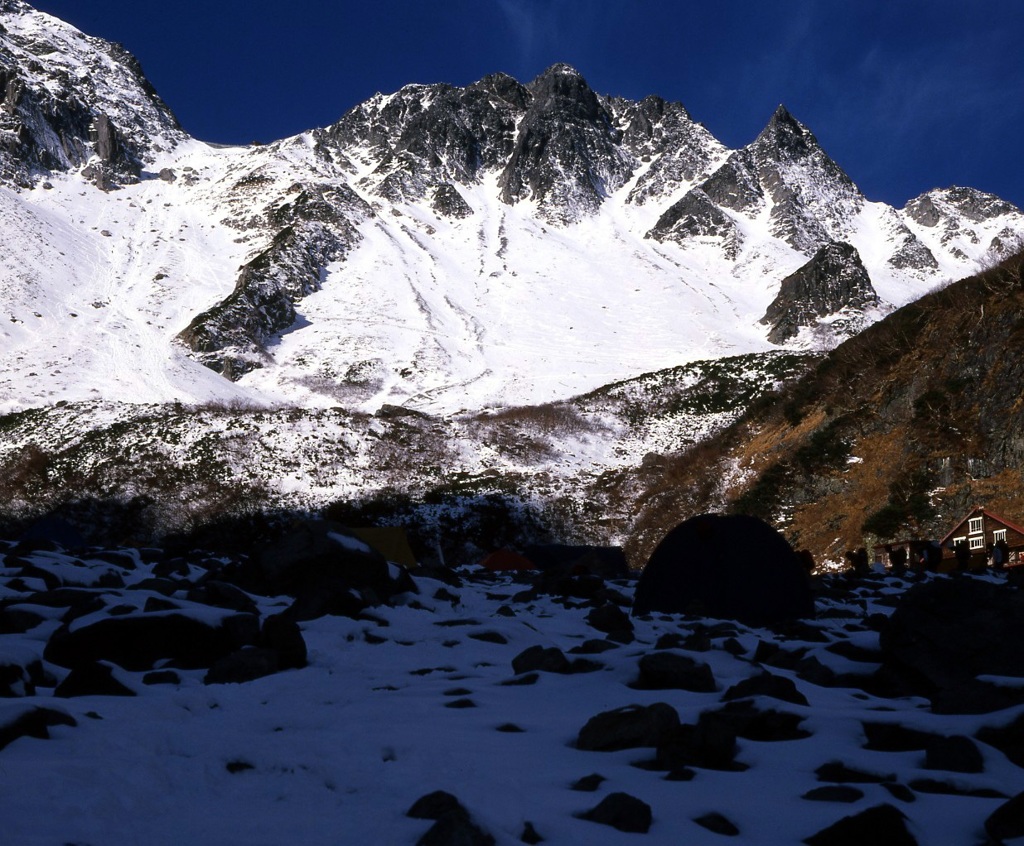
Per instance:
x=417, y=700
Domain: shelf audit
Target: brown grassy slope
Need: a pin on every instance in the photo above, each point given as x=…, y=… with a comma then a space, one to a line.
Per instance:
x=903, y=428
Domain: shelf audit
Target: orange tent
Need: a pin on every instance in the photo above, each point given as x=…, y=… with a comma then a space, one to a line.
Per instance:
x=506, y=559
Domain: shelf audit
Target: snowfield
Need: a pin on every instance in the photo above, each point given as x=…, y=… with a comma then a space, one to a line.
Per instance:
x=421, y=696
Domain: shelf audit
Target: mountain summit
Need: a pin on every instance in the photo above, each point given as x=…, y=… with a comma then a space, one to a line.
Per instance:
x=438, y=248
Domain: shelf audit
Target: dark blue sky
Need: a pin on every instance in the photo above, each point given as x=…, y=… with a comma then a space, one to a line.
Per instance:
x=906, y=95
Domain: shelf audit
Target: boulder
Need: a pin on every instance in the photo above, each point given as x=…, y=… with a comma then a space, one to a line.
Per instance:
x=881, y=825
x=629, y=727
x=137, y=642
x=91, y=678
x=327, y=570
x=621, y=811
x=766, y=684
x=549, y=659
x=670, y=671
x=946, y=632
x=956, y=754
x=1007, y=821
x=31, y=722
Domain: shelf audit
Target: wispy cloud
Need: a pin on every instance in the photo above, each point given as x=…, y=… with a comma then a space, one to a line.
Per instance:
x=562, y=30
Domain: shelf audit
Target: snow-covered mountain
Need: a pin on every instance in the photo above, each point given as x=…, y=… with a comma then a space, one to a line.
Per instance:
x=441, y=248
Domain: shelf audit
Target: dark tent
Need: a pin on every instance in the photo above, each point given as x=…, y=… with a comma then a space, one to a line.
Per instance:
x=729, y=566
x=609, y=562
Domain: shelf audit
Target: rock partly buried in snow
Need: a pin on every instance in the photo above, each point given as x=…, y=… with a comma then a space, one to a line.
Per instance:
x=92, y=678
x=670, y=671
x=548, y=659
x=710, y=744
x=1007, y=738
x=729, y=566
x=766, y=684
x=957, y=754
x=629, y=727
x=138, y=641
x=30, y=722
x=452, y=826
x=882, y=824
x=1007, y=821
x=621, y=811
x=718, y=823
x=746, y=720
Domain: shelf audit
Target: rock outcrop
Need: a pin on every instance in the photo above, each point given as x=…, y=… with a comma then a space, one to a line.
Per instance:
x=833, y=280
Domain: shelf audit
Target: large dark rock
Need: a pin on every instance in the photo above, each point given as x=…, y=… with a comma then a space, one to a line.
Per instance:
x=548, y=659
x=629, y=727
x=957, y=754
x=33, y=722
x=730, y=566
x=946, y=632
x=327, y=570
x=1007, y=821
x=621, y=811
x=670, y=671
x=708, y=744
x=92, y=678
x=137, y=642
x=1007, y=738
x=882, y=825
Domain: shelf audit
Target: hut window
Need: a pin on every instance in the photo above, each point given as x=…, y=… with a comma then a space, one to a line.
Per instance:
x=999, y=535
x=977, y=543
x=975, y=527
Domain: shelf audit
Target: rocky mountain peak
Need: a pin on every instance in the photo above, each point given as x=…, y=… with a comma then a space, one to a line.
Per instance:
x=70, y=100
x=974, y=205
x=785, y=135
x=505, y=88
x=563, y=91
x=568, y=155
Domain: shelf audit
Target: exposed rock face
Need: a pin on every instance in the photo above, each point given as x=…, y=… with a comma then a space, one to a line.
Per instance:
x=68, y=101
x=811, y=199
x=425, y=136
x=696, y=216
x=680, y=151
x=812, y=195
x=320, y=228
x=952, y=211
x=449, y=202
x=567, y=157
x=554, y=149
x=831, y=281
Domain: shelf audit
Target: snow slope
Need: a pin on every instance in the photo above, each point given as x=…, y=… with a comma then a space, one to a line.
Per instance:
x=498, y=303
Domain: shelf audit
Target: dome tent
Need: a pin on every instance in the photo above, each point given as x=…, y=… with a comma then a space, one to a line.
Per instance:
x=729, y=566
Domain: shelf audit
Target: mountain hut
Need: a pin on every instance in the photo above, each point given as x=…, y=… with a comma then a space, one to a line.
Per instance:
x=981, y=530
